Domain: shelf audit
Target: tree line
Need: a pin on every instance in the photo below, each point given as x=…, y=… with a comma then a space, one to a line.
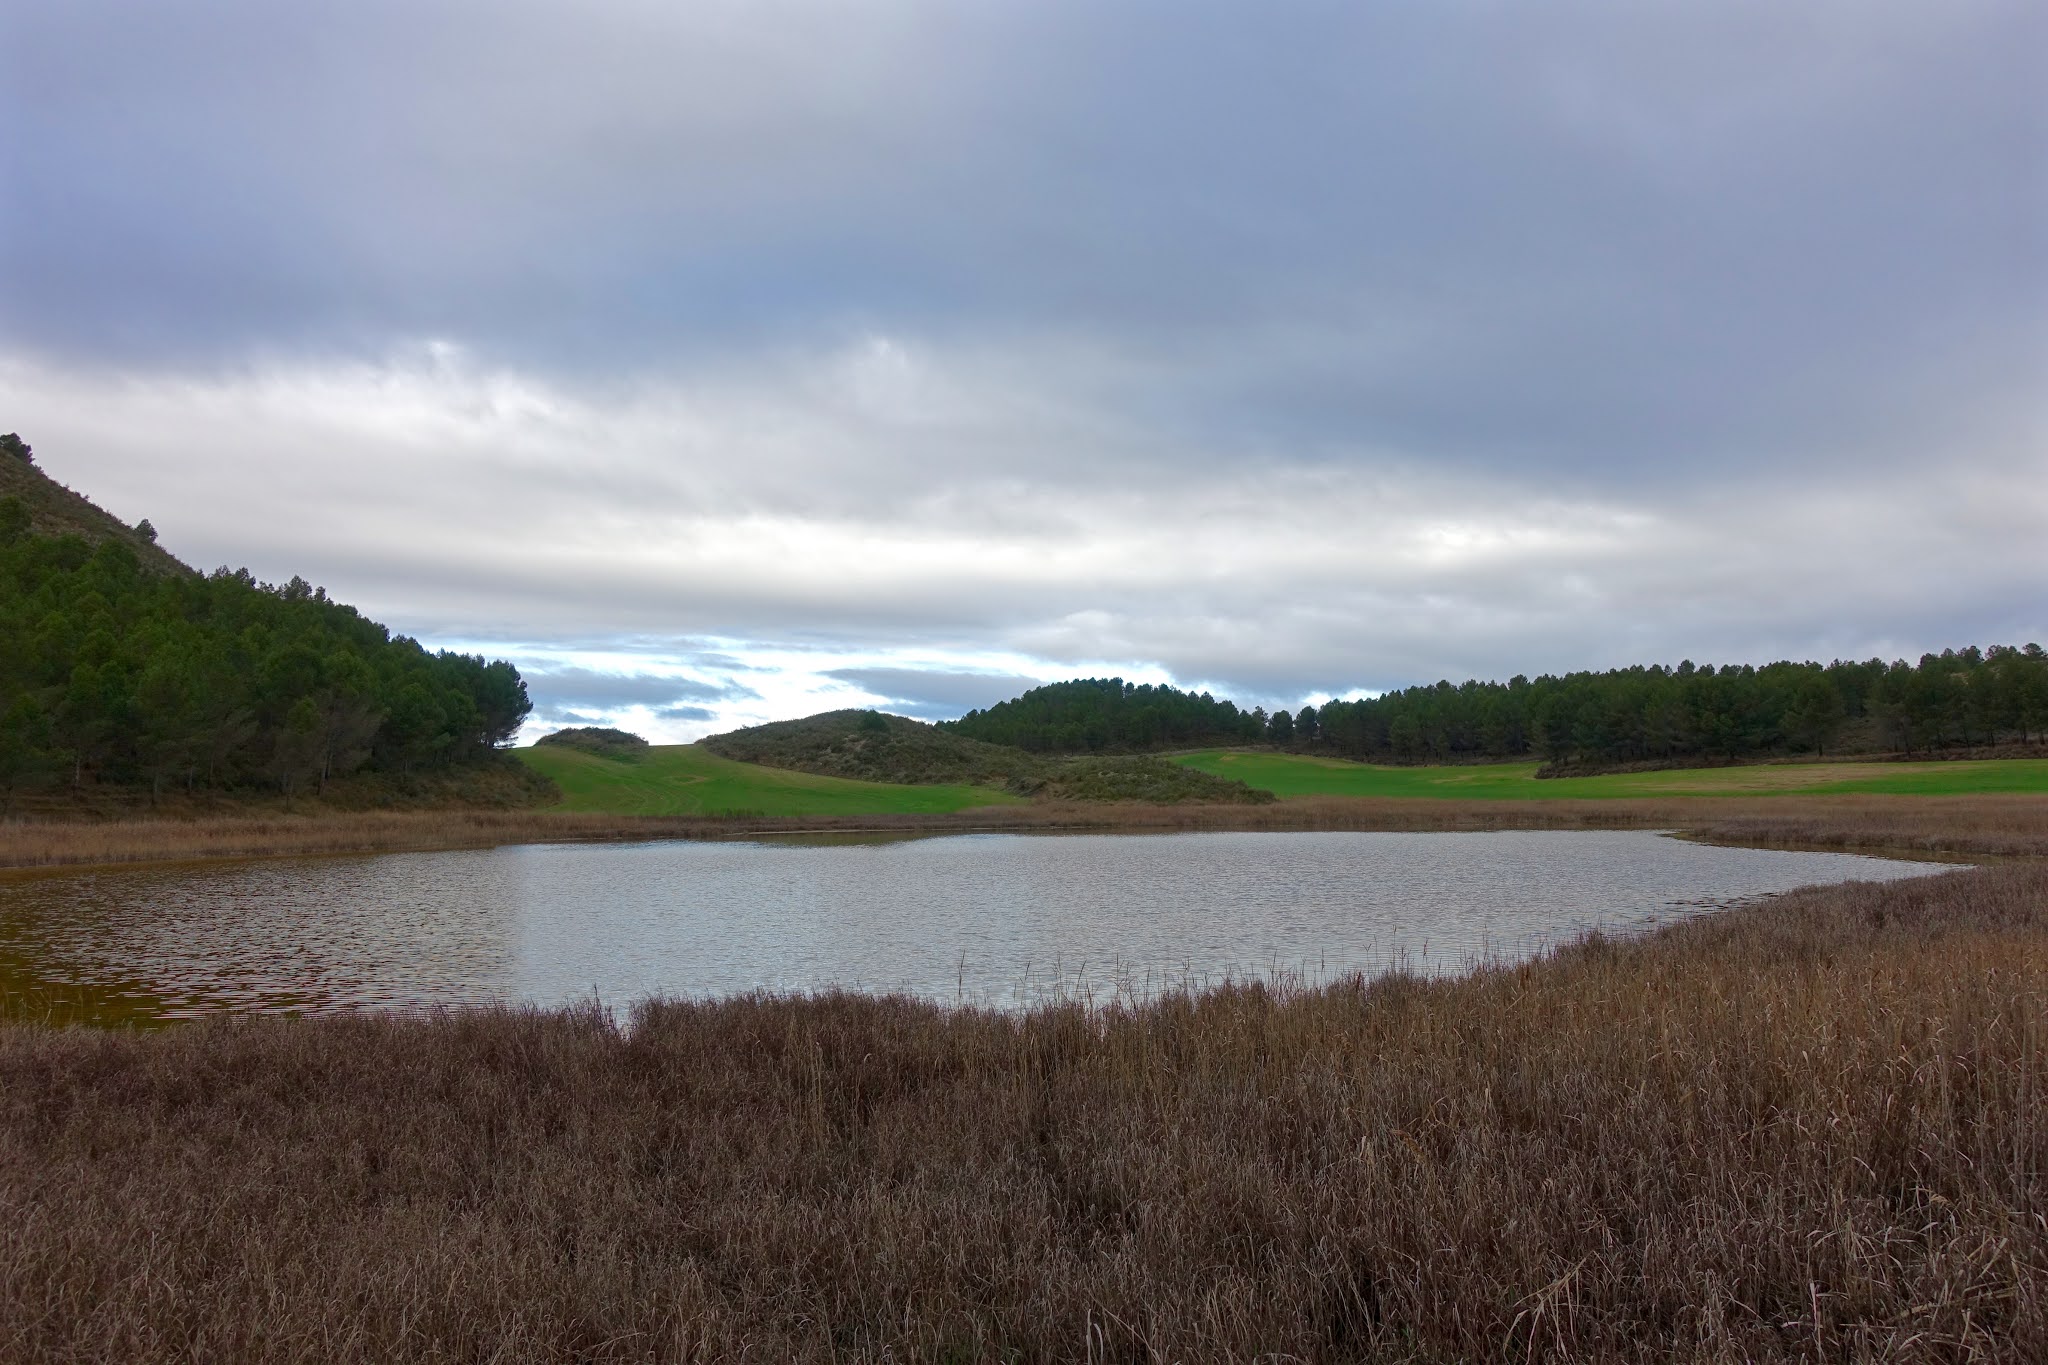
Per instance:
x=110, y=673
x=1958, y=699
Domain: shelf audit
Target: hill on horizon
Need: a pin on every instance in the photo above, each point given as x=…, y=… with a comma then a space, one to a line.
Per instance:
x=875, y=747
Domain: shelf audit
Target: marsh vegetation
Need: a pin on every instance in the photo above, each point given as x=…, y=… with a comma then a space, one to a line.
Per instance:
x=1810, y=1129
x=1969, y=826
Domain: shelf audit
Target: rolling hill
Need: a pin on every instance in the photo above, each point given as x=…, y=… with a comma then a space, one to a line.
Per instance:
x=688, y=779
x=873, y=747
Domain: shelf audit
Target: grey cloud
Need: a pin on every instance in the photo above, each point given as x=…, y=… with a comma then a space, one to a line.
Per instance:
x=1277, y=580
x=1285, y=348
x=1645, y=236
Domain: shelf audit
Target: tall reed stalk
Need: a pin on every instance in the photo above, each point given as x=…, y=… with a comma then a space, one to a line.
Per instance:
x=1807, y=1129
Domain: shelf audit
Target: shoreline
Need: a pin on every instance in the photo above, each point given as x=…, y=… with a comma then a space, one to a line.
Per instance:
x=1959, y=827
x=1804, y=1126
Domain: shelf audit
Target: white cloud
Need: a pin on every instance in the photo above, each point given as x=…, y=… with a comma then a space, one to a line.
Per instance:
x=876, y=507
x=1287, y=351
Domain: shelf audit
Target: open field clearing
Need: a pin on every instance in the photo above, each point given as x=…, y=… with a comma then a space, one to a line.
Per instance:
x=1808, y=1129
x=1294, y=775
x=685, y=779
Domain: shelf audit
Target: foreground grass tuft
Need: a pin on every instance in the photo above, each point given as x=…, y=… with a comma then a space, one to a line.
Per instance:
x=1808, y=1129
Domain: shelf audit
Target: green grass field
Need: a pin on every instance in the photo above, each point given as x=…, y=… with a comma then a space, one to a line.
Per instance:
x=1288, y=775
x=682, y=779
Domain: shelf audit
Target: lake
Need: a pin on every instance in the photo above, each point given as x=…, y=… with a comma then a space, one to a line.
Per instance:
x=1004, y=920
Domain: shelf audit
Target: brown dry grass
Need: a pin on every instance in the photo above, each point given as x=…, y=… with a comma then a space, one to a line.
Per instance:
x=2014, y=826
x=1807, y=1129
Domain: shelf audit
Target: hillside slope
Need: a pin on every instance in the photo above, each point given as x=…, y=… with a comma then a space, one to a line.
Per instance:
x=54, y=510
x=872, y=747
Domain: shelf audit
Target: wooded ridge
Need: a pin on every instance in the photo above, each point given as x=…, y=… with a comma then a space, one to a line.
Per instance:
x=1966, y=699
x=120, y=666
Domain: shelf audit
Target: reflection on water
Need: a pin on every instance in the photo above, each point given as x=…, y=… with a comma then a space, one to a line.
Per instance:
x=996, y=919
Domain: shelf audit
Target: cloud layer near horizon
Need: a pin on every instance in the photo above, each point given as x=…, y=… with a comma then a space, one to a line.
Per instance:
x=723, y=361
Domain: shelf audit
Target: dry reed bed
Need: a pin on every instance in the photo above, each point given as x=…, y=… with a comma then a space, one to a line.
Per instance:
x=1982, y=825
x=1808, y=1129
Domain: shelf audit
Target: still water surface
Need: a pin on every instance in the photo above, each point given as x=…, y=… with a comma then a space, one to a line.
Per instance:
x=994, y=919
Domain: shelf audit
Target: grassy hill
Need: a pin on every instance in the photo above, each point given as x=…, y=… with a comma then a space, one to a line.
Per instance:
x=873, y=747
x=688, y=779
x=54, y=510
x=1289, y=775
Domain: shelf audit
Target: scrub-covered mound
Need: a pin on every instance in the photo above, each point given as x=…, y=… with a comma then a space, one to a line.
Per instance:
x=875, y=747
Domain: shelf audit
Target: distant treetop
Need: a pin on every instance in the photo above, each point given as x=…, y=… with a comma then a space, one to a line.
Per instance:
x=12, y=444
x=1109, y=715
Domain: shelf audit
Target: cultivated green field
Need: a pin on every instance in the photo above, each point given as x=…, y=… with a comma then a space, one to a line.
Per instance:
x=682, y=779
x=1288, y=775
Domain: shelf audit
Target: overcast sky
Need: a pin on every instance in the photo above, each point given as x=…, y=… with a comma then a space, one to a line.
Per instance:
x=725, y=360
